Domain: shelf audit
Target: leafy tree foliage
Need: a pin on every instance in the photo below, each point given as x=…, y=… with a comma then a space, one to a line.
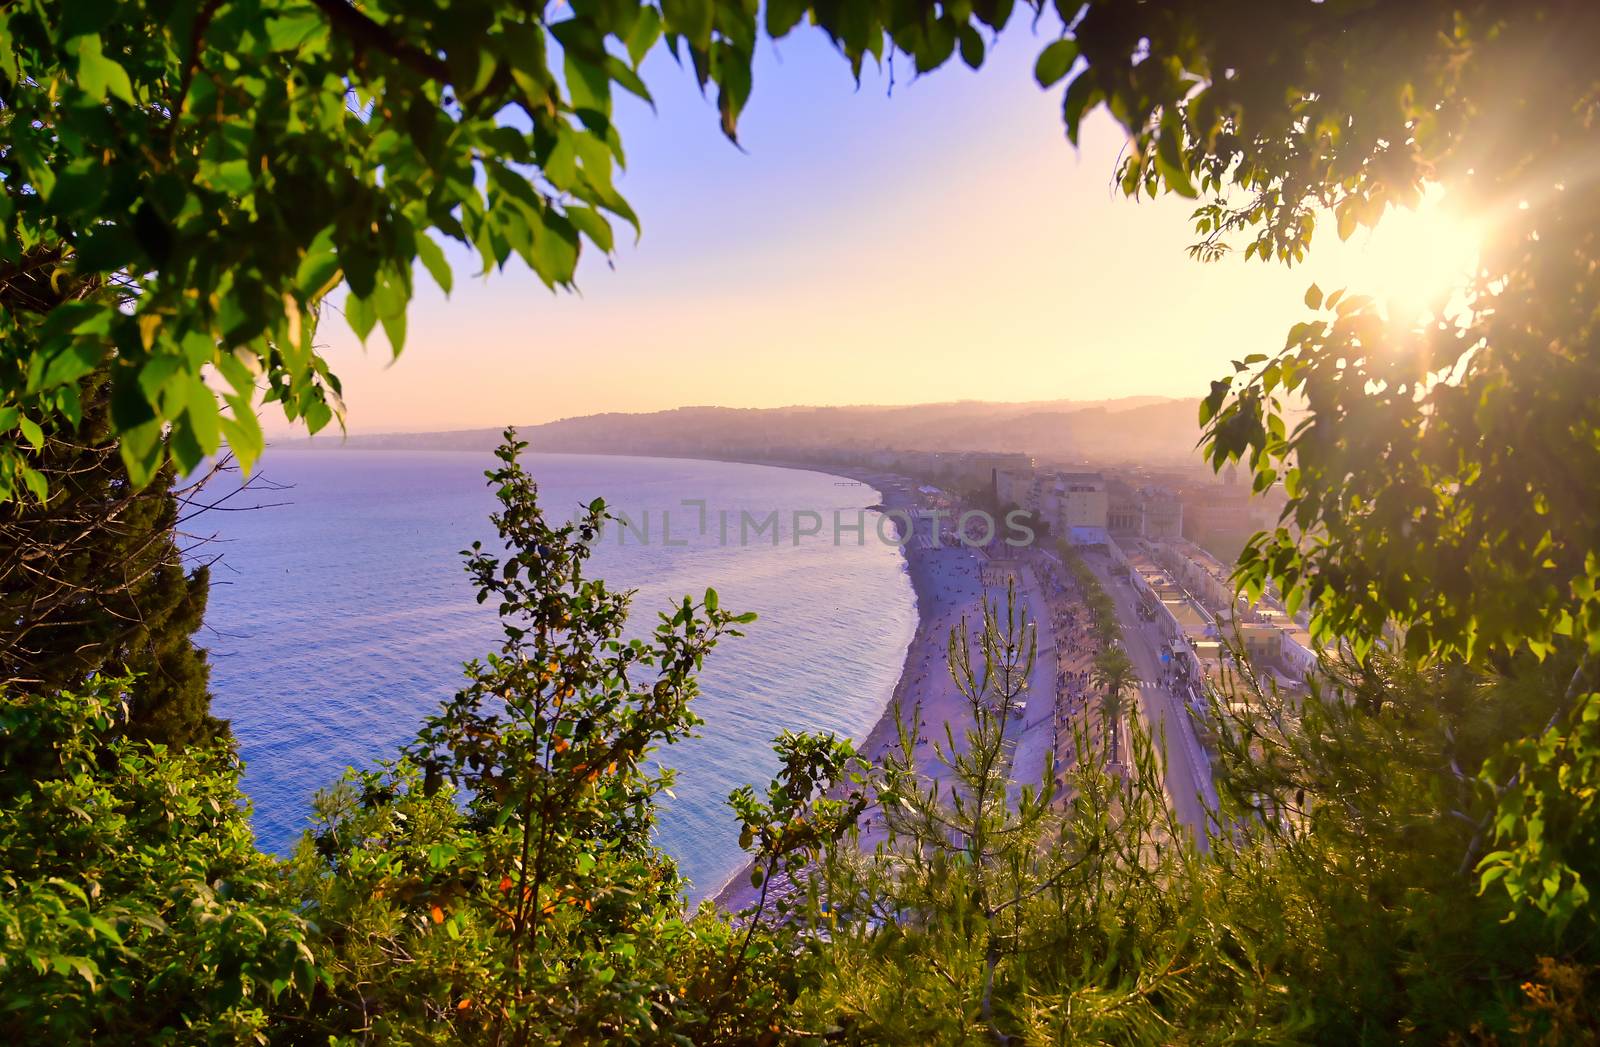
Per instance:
x=1112, y=672
x=92, y=583
x=134, y=906
x=1361, y=801
x=1000, y=910
x=1436, y=469
x=811, y=805
x=288, y=147
x=499, y=883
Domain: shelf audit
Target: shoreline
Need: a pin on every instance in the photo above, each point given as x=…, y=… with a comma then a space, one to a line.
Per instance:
x=727, y=894
x=886, y=492
x=946, y=586
x=948, y=582
x=893, y=491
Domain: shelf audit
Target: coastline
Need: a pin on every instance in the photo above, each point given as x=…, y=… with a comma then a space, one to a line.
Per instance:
x=949, y=580
x=928, y=638
x=946, y=585
x=730, y=894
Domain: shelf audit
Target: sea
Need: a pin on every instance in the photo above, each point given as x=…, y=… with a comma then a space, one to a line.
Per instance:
x=340, y=612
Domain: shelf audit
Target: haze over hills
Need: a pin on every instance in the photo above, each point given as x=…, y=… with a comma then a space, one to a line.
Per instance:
x=1144, y=428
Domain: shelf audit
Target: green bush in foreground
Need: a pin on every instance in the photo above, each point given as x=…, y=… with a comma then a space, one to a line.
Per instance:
x=134, y=906
x=499, y=883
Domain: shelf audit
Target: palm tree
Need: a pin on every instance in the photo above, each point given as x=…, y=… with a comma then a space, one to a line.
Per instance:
x=1112, y=673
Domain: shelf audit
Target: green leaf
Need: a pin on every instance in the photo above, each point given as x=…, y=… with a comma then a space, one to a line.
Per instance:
x=691, y=19
x=394, y=329
x=1081, y=96
x=361, y=315
x=35, y=482
x=141, y=449
x=231, y=176
x=31, y=431
x=589, y=88
x=971, y=46
x=433, y=260
x=99, y=75
x=624, y=75
x=317, y=415
x=591, y=224
x=204, y=418
x=1345, y=214
x=81, y=183
x=555, y=250
x=1169, y=155
x=76, y=359
x=1055, y=62
x=288, y=32
x=9, y=65
x=319, y=266
x=784, y=15
x=731, y=70
x=243, y=433
x=644, y=34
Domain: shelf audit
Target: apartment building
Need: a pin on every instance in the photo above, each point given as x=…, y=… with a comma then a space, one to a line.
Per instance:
x=1146, y=512
x=1081, y=507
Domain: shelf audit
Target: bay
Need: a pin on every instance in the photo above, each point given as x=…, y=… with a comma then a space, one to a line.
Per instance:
x=340, y=613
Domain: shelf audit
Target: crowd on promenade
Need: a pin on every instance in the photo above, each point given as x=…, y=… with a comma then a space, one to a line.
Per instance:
x=955, y=577
x=1075, y=646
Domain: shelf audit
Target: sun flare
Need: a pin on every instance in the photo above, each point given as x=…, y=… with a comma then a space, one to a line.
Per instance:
x=1419, y=262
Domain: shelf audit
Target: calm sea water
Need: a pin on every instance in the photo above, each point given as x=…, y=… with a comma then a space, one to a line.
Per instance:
x=338, y=620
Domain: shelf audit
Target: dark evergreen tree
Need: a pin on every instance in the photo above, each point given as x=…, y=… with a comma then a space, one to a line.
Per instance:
x=92, y=581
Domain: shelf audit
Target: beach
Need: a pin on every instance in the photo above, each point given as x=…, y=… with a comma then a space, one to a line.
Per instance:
x=949, y=580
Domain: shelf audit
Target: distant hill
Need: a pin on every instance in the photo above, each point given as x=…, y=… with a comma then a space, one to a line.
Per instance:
x=1138, y=428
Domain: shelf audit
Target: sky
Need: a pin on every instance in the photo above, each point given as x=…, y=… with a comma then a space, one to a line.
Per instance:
x=942, y=241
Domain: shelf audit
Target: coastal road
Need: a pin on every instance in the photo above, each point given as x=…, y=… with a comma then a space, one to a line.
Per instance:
x=1188, y=769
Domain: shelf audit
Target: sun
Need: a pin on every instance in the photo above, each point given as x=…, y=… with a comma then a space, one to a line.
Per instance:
x=1418, y=262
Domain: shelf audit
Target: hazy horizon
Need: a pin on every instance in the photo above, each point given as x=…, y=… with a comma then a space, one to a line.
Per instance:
x=1116, y=403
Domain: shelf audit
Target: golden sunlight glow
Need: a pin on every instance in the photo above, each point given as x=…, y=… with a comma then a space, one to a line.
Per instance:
x=1419, y=262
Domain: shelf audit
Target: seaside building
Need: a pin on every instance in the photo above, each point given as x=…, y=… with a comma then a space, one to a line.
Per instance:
x=1149, y=512
x=1220, y=516
x=1277, y=645
x=1124, y=514
x=1200, y=573
x=1163, y=514
x=1017, y=487
x=1080, y=509
x=1263, y=642
x=1298, y=652
x=983, y=468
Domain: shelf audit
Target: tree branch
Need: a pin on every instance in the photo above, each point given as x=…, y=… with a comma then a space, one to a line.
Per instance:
x=368, y=35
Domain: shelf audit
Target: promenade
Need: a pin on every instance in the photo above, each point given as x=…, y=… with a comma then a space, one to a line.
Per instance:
x=951, y=581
